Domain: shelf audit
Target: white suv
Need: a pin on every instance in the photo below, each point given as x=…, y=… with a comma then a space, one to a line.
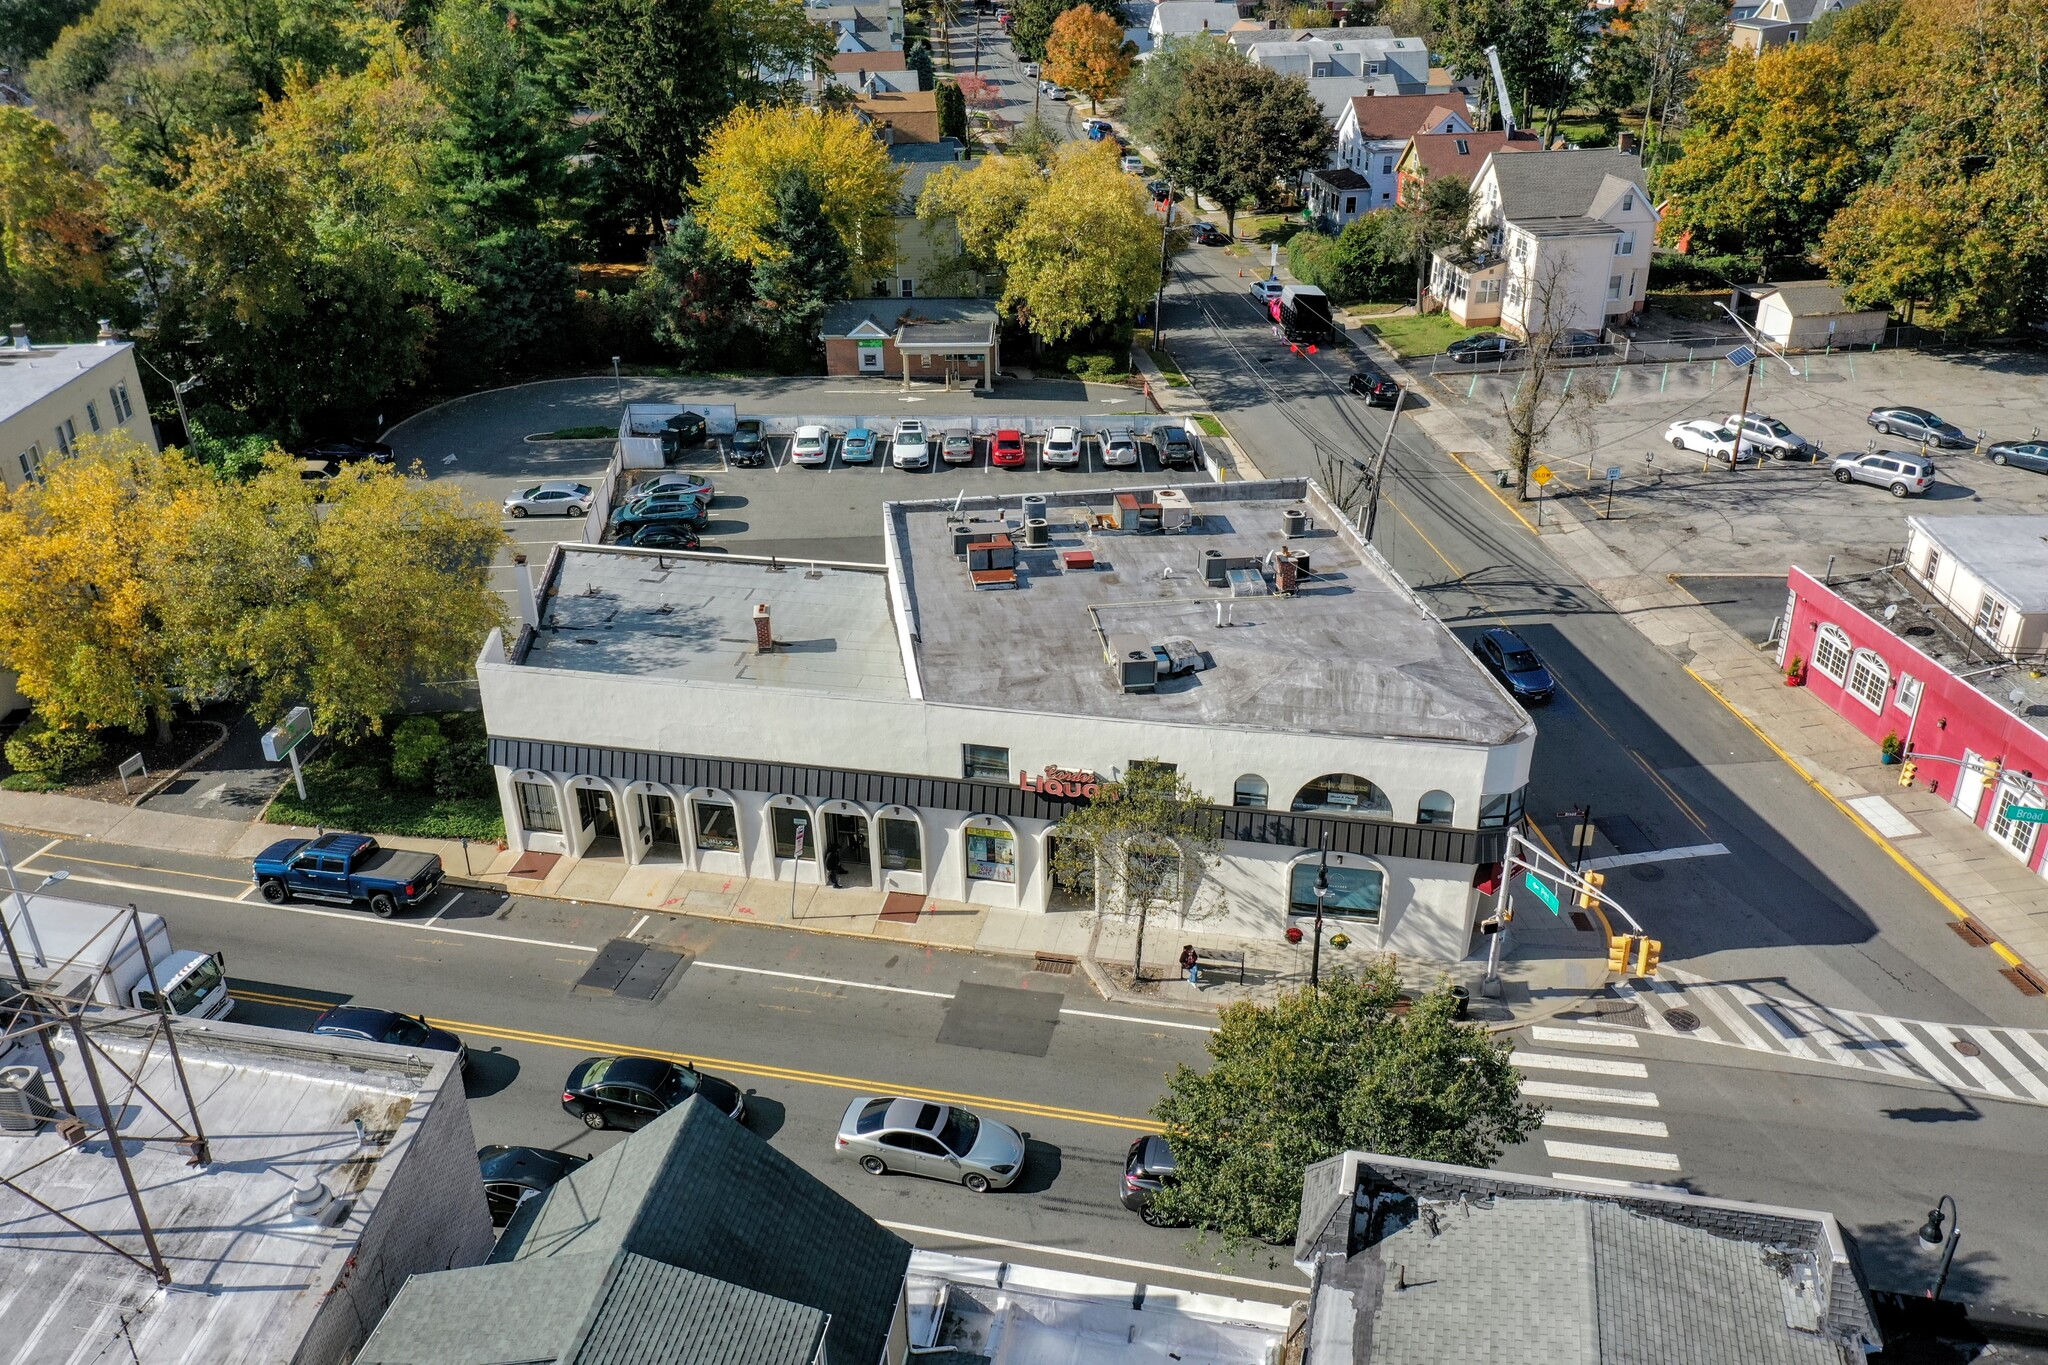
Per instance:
x=908, y=449
x=1904, y=474
x=1120, y=451
x=1769, y=436
x=1062, y=447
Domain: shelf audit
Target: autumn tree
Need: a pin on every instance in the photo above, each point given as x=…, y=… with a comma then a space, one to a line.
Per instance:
x=1031, y=22
x=55, y=271
x=749, y=154
x=1544, y=394
x=1238, y=130
x=1087, y=51
x=1141, y=847
x=1155, y=87
x=1320, y=1072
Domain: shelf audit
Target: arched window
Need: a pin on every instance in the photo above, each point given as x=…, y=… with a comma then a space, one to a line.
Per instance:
x=1250, y=792
x=1869, y=678
x=1435, y=808
x=1343, y=793
x=1831, y=653
x=794, y=829
x=991, y=849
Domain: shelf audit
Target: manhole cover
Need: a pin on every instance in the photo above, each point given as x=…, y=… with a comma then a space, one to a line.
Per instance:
x=1685, y=1021
x=1968, y=1048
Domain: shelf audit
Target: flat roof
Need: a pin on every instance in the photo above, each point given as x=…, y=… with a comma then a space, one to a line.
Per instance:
x=27, y=376
x=2006, y=551
x=1353, y=652
x=248, y=1278
x=674, y=614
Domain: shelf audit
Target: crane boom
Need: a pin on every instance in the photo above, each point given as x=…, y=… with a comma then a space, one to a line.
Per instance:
x=1500, y=85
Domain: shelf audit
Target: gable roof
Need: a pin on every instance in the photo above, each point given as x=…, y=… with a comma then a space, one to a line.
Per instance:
x=1808, y=298
x=1438, y=153
x=878, y=59
x=1402, y=116
x=883, y=316
x=1176, y=17
x=1564, y=184
x=697, y=1191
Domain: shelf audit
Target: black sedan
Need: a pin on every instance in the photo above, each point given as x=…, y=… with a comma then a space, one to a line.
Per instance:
x=1487, y=346
x=631, y=1092
x=662, y=535
x=2025, y=454
x=1577, y=344
x=1375, y=388
x=349, y=450
x=389, y=1026
x=1514, y=663
x=513, y=1175
x=1918, y=424
x=1148, y=1169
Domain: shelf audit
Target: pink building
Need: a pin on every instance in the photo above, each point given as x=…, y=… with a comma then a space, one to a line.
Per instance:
x=1943, y=649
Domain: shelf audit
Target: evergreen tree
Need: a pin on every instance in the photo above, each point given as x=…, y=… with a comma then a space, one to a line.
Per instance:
x=810, y=272
x=658, y=79
x=920, y=61
x=697, y=296
x=952, y=110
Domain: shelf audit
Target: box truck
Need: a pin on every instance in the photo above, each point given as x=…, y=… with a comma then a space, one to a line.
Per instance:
x=77, y=947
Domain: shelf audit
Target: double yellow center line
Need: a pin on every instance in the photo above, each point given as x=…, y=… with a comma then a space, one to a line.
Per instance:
x=762, y=1070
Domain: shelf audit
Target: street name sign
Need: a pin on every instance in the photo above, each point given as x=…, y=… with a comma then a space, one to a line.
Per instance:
x=1540, y=891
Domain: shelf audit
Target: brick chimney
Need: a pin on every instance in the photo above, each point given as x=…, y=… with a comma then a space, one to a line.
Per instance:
x=1285, y=572
x=764, y=633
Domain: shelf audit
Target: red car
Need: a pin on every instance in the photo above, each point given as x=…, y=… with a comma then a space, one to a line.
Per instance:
x=1007, y=450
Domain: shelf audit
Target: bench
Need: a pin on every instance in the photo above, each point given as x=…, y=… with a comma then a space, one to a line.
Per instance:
x=1208, y=958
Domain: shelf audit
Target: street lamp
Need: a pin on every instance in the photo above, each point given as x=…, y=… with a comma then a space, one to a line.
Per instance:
x=618, y=385
x=1315, y=961
x=1931, y=1235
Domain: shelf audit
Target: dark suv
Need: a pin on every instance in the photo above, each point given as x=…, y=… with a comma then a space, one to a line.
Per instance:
x=748, y=448
x=1148, y=1169
x=1374, y=387
x=1176, y=451
x=1514, y=663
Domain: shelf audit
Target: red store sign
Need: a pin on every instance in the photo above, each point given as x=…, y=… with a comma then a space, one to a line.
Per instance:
x=1060, y=782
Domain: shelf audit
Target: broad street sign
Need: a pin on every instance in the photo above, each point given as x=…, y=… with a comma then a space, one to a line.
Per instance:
x=1541, y=474
x=2028, y=815
x=282, y=738
x=1540, y=891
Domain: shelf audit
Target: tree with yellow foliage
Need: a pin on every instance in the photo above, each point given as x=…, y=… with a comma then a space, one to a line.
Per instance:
x=54, y=274
x=750, y=153
x=1087, y=51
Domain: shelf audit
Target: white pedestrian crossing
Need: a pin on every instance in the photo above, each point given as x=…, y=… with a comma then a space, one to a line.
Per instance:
x=1626, y=1142
x=1605, y=1123
x=1588, y=1094
x=1582, y=1037
x=1611, y=1156
x=1592, y=1066
x=1762, y=1016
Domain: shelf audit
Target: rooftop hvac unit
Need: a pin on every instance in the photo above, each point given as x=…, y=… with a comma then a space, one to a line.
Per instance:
x=24, y=1103
x=1137, y=668
x=1174, y=512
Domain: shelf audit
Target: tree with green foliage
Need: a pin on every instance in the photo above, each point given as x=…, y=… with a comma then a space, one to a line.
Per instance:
x=697, y=296
x=1319, y=1073
x=658, y=78
x=1155, y=87
x=811, y=270
x=57, y=274
x=1373, y=258
x=1238, y=130
x=1139, y=847
x=28, y=27
x=920, y=61
x=952, y=110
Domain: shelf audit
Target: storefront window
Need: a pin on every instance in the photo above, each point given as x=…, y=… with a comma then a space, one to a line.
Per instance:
x=991, y=854
x=538, y=812
x=794, y=837
x=1354, y=892
x=902, y=845
x=1499, y=812
x=1435, y=808
x=1343, y=794
x=718, y=827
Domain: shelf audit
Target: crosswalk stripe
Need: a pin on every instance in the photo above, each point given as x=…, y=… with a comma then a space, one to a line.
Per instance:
x=1588, y=1037
x=1596, y=1066
x=1972, y=1067
x=1653, y=1017
x=1604, y=1123
x=1844, y=1041
x=1726, y=1009
x=2029, y=1042
x=1611, y=1156
x=2015, y=1069
x=1925, y=1056
x=1785, y=1034
x=1589, y=1094
x=1612, y=1183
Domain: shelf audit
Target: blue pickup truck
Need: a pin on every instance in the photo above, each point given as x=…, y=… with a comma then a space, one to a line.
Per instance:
x=347, y=869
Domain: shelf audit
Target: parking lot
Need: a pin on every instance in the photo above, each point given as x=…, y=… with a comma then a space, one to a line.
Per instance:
x=1676, y=512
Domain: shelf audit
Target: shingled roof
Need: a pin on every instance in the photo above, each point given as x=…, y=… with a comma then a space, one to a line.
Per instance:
x=1403, y=116
x=1565, y=184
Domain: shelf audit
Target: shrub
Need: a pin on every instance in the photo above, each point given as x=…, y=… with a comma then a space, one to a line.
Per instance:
x=1098, y=367
x=464, y=769
x=54, y=754
x=416, y=745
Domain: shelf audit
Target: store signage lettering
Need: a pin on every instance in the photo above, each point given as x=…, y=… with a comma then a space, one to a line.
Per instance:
x=1060, y=782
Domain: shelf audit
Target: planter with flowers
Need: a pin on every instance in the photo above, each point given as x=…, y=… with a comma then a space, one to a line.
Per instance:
x=1795, y=675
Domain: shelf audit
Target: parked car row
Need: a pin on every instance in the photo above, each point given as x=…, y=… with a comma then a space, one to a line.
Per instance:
x=912, y=446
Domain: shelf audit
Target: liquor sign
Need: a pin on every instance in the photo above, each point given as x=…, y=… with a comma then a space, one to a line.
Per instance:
x=1062, y=784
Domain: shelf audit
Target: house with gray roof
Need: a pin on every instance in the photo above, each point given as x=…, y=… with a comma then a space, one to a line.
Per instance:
x=1564, y=243
x=1774, y=23
x=692, y=1240
x=1416, y=1262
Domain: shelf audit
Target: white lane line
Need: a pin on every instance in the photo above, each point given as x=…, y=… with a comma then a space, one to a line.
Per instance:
x=979, y=1240
x=1662, y=855
x=1140, y=1019
x=1589, y=1094
x=446, y=906
x=1614, y=1184
x=634, y=931
x=1588, y=1037
x=39, y=853
x=1604, y=1123
x=1598, y=1066
x=823, y=980
x=250, y=892
x=1611, y=1156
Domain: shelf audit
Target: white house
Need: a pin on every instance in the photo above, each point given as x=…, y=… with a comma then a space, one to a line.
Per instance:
x=1578, y=220
x=1372, y=132
x=934, y=717
x=1403, y=62
x=1812, y=315
x=1179, y=18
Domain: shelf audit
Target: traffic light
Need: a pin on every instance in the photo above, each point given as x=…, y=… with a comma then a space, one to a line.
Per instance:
x=1648, y=954
x=1906, y=771
x=1991, y=766
x=1589, y=894
x=1619, y=949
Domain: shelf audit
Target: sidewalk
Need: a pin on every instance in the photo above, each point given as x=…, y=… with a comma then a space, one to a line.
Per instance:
x=1547, y=966
x=1951, y=858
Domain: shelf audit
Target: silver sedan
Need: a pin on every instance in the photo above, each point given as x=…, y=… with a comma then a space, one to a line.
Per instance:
x=550, y=500
x=920, y=1137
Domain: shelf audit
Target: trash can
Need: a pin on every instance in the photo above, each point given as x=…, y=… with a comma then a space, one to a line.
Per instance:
x=1463, y=998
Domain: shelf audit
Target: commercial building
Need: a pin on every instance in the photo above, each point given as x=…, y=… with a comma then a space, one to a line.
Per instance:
x=934, y=718
x=950, y=341
x=331, y=1171
x=1944, y=650
x=1416, y=1263
x=50, y=396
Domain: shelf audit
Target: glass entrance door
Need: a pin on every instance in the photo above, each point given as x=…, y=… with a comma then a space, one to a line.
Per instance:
x=847, y=836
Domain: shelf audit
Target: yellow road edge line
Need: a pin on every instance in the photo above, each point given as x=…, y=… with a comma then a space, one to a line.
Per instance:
x=2012, y=959
x=1480, y=479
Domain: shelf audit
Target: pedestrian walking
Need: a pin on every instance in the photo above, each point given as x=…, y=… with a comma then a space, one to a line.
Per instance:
x=1191, y=964
x=833, y=866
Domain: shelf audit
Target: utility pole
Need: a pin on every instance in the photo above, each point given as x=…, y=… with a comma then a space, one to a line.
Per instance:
x=1315, y=961
x=1159, y=296
x=1379, y=465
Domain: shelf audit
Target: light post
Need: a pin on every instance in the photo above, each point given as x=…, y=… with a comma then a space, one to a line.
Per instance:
x=618, y=384
x=1165, y=257
x=1931, y=1235
x=1315, y=961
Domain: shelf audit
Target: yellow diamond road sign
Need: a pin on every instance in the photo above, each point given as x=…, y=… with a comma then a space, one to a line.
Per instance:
x=1541, y=473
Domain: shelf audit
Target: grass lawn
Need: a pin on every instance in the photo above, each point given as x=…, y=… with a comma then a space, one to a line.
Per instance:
x=1425, y=335
x=1209, y=425
x=1584, y=132
x=361, y=798
x=1699, y=307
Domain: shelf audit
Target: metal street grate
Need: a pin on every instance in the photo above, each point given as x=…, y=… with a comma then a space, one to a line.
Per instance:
x=1971, y=932
x=1685, y=1021
x=2025, y=981
x=1054, y=964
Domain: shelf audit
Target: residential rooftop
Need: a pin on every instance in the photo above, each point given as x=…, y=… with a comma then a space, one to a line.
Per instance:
x=2007, y=551
x=1406, y=1259
x=29, y=376
x=249, y=1276
x=1352, y=652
